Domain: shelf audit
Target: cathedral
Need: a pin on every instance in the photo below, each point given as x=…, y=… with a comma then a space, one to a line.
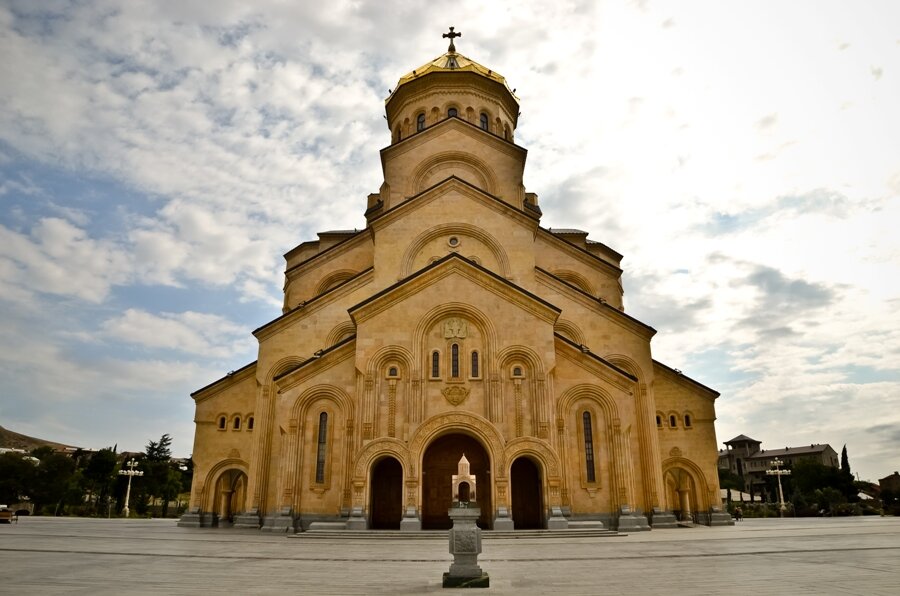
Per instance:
x=454, y=325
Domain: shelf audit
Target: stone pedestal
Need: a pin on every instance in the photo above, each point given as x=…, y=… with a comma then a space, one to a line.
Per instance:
x=556, y=521
x=191, y=519
x=717, y=517
x=410, y=521
x=503, y=522
x=357, y=520
x=248, y=520
x=465, y=546
x=663, y=519
x=629, y=521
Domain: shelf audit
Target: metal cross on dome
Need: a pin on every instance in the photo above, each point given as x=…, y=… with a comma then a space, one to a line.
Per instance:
x=452, y=35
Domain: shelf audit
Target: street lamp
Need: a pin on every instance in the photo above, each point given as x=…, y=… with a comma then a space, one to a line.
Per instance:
x=778, y=473
x=130, y=472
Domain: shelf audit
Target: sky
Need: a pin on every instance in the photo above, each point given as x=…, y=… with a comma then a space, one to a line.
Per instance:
x=157, y=159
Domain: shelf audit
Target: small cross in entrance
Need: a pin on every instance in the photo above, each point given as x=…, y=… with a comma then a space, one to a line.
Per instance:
x=452, y=35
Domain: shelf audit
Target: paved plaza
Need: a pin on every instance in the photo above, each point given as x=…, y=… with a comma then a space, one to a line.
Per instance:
x=765, y=556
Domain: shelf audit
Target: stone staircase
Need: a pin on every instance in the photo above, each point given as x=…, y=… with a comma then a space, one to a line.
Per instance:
x=333, y=534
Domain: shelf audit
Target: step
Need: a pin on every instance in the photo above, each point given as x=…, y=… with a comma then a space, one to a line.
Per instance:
x=318, y=533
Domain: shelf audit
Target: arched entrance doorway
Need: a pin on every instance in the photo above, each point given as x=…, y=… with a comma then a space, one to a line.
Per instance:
x=681, y=493
x=527, y=498
x=386, y=490
x=230, y=496
x=439, y=465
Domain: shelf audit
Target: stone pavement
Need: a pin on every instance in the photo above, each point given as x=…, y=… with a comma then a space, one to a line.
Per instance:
x=765, y=556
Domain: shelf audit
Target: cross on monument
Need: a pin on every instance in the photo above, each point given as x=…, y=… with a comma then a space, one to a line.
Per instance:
x=452, y=35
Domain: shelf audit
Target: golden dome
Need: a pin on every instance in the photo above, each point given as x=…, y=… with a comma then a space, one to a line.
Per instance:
x=451, y=62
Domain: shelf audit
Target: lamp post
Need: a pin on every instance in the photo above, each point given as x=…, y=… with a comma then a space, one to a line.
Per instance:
x=131, y=473
x=778, y=473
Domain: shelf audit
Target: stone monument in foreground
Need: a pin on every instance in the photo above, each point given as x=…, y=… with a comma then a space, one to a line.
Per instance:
x=465, y=535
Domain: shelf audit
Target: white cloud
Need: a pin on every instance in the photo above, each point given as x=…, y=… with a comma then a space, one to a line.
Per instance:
x=188, y=332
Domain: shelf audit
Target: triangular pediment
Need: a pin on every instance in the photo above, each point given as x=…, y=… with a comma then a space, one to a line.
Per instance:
x=462, y=188
x=461, y=267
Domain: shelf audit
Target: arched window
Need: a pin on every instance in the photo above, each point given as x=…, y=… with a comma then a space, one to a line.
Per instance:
x=475, y=363
x=517, y=371
x=392, y=371
x=397, y=133
x=659, y=421
x=435, y=364
x=454, y=360
x=420, y=122
x=320, y=449
x=237, y=423
x=672, y=422
x=485, y=123
x=250, y=423
x=687, y=420
x=589, y=447
x=452, y=113
x=221, y=422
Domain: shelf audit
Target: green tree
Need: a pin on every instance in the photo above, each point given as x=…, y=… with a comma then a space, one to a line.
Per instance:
x=16, y=477
x=845, y=461
x=98, y=476
x=52, y=482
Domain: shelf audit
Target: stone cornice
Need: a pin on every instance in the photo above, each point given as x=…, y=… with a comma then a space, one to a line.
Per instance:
x=328, y=254
x=599, y=306
x=580, y=253
x=416, y=140
x=443, y=187
x=600, y=367
x=314, y=304
x=682, y=379
x=241, y=374
x=454, y=264
x=319, y=362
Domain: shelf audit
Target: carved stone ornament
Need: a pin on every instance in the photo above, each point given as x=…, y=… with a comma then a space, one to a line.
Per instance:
x=456, y=394
x=455, y=327
x=675, y=452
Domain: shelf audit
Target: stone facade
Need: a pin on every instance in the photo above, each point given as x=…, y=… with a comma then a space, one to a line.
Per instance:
x=453, y=324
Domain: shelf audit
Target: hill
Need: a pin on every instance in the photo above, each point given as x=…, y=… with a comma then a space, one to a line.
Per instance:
x=16, y=440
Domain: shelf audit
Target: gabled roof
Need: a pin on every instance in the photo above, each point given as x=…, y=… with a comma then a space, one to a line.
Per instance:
x=788, y=451
x=551, y=311
x=686, y=379
x=232, y=377
x=742, y=439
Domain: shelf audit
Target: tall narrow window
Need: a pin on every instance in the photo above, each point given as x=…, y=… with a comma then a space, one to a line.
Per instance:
x=435, y=364
x=454, y=360
x=237, y=423
x=420, y=122
x=484, y=121
x=250, y=423
x=589, y=447
x=320, y=449
x=687, y=420
x=452, y=112
x=221, y=422
x=475, y=364
x=672, y=422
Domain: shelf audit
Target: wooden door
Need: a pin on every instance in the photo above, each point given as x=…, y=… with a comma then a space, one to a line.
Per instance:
x=527, y=498
x=440, y=463
x=387, y=494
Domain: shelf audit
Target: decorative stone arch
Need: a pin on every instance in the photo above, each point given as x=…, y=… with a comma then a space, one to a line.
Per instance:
x=463, y=229
x=212, y=478
x=387, y=353
x=484, y=176
x=569, y=330
x=591, y=392
x=576, y=279
x=281, y=366
x=460, y=111
x=676, y=465
x=376, y=450
x=447, y=309
x=507, y=356
x=538, y=450
x=340, y=332
x=627, y=364
x=334, y=278
x=328, y=392
x=461, y=422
